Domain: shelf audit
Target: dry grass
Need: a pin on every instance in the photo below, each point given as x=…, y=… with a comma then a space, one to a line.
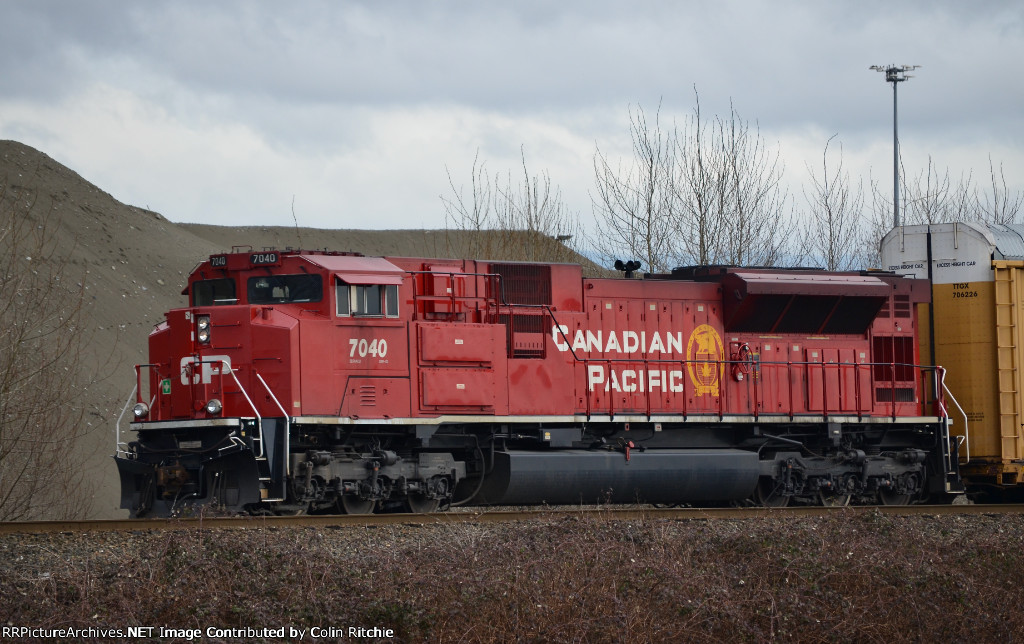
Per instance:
x=839, y=579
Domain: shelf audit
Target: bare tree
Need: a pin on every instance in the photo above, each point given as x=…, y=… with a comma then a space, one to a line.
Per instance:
x=702, y=188
x=535, y=206
x=41, y=419
x=512, y=219
x=999, y=206
x=832, y=227
x=707, y=194
x=637, y=205
x=470, y=214
x=933, y=197
x=756, y=214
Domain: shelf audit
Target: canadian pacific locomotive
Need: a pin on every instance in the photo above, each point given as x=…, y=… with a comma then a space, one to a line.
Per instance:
x=298, y=381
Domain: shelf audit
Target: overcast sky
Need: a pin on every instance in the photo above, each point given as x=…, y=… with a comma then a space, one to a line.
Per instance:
x=224, y=112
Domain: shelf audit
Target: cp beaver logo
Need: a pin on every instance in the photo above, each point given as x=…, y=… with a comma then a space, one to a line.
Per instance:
x=704, y=359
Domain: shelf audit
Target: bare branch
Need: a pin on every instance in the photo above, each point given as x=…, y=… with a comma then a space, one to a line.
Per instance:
x=503, y=218
x=833, y=225
x=40, y=358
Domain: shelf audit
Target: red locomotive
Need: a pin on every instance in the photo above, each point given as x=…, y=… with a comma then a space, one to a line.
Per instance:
x=334, y=382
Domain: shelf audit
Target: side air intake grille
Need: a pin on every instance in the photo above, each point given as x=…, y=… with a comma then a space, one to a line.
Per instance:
x=901, y=306
x=524, y=283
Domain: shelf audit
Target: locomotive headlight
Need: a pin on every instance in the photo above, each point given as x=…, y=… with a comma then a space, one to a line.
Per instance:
x=140, y=410
x=213, y=407
x=203, y=328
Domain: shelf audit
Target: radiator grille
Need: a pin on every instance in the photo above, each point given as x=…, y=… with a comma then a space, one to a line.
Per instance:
x=524, y=283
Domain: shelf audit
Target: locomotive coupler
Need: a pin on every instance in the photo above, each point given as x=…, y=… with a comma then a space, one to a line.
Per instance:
x=171, y=478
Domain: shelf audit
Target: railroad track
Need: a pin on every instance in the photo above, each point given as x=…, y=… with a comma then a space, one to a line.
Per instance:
x=487, y=516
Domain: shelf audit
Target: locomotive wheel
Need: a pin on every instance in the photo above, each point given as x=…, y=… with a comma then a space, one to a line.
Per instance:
x=766, y=494
x=352, y=504
x=834, y=500
x=420, y=504
x=891, y=498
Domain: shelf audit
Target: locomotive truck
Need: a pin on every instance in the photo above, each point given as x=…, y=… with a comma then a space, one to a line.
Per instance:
x=315, y=381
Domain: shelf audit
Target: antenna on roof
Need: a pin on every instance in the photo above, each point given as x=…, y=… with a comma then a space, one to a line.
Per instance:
x=296, y=220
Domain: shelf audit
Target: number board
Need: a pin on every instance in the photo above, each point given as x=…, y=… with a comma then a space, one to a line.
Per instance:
x=263, y=259
x=218, y=261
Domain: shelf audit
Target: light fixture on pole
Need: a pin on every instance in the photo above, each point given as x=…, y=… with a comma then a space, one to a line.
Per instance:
x=895, y=74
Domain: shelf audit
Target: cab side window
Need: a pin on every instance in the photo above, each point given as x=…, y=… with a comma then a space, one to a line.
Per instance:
x=216, y=292
x=344, y=298
x=366, y=300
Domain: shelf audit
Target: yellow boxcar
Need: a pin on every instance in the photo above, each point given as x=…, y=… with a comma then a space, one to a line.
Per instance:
x=975, y=329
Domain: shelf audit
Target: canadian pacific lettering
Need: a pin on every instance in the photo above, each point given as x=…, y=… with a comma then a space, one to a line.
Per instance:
x=700, y=356
x=588, y=341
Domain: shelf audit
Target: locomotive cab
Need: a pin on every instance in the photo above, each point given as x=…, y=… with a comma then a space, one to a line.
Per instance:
x=271, y=338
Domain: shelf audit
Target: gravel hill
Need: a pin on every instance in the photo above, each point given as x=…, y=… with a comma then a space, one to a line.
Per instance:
x=135, y=263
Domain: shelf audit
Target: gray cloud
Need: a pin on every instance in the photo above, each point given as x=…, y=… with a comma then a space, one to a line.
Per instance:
x=323, y=79
x=777, y=58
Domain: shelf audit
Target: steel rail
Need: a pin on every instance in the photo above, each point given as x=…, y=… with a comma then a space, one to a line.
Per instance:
x=492, y=516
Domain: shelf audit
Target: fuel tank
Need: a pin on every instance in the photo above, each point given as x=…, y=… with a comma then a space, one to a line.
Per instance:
x=585, y=476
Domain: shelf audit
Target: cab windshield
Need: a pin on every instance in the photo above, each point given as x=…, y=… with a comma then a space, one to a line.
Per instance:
x=279, y=289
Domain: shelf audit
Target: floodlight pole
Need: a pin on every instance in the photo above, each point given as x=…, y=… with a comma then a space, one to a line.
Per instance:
x=895, y=157
x=895, y=74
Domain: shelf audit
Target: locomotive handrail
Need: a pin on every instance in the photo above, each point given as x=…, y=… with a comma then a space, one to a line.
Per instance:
x=235, y=442
x=226, y=366
x=137, y=395
x=117, y=425
x=450, y=297
x=287, y=424
x=259, y=419
x=892, y=388
x=790, y=388
x=754, y=382
x=858, y=395
x=137, y=391
x=966, y=436
x=840, y=367
x=721, y=366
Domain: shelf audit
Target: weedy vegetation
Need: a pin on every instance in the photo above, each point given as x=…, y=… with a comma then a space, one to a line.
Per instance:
x=842, y=578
